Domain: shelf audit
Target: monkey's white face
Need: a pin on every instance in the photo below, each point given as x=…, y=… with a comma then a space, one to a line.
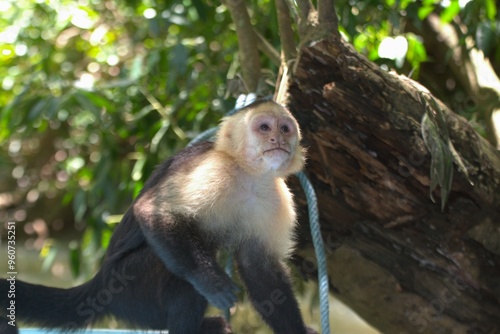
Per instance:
x=263, y=139
x=274, y=139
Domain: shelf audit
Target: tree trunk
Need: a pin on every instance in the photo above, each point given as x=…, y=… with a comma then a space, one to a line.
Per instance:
x=393, y=255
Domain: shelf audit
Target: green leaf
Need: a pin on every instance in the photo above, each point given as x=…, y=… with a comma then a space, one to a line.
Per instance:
x=416, y=52
x=137, y=68
x=443, y=154
x=97, y=100
x=47, y=106
x=405, y=3
x=491, y=9
x=106, y=237
x=456, y=158
x=86, y=104
x=48, y=254
x=137, y=188
x=68, y=197
x=485, y=37
x=179, y=58
x=75, y=258
x=450, y=12
x=79, y=205
x=470, y=12
x=425, y=11
x=441, y=172
x=88, y=238
x=201, y=9
x=52, y=107
x=37, y=110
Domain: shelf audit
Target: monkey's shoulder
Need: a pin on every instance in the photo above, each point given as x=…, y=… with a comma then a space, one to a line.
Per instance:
x=180, y=162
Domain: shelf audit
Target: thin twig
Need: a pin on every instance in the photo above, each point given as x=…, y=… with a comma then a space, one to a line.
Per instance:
x=267, y=49
x=282, y=84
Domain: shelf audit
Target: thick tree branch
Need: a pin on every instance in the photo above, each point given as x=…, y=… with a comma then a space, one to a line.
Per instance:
x=288, y=45
x=327, y=17
x=315, y=25
x=394, y=256
x=247, y=41
x=307, y=21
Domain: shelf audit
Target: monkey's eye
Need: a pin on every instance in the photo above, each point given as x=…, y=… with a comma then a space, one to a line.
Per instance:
x=264, y=127
x=285, y=129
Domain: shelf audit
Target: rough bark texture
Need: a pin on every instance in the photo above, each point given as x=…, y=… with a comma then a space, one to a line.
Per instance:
x=393, y=256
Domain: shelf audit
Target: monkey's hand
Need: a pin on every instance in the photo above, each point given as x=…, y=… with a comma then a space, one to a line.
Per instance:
x=219, y=290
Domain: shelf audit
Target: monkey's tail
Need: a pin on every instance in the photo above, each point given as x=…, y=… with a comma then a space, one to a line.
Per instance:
x=67, y=309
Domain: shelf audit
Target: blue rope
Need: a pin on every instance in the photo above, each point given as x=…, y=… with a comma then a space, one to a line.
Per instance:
x=319, y=249
x=205, y=135
x=312, y=207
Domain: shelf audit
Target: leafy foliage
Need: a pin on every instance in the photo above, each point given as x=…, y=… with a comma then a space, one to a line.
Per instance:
x=368, y=23
x=94, y=95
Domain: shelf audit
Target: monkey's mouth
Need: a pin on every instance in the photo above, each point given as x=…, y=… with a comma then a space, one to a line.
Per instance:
x=277, y=149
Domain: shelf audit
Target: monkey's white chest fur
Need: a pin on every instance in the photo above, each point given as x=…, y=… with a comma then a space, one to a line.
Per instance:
x=239, y=207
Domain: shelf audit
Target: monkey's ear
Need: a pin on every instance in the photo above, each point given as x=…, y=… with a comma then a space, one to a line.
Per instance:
x=223, y=137
x=228, y=136
x=225, y=133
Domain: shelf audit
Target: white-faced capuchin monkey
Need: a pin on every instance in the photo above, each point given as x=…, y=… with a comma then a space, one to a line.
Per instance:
x=160, y=270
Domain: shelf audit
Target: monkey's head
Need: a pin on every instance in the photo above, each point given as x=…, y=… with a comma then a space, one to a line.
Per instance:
x=263, y=137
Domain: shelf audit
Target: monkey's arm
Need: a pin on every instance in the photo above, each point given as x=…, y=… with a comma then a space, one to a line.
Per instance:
x=269, y=288
x=177, y=242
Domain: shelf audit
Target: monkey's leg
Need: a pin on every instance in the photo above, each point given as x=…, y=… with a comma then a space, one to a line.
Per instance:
x=269, y=288
x=185, y=309
x=166, y=300
x=183, y=250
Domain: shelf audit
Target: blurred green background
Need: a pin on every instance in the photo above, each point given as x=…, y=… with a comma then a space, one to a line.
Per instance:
x=94, y=94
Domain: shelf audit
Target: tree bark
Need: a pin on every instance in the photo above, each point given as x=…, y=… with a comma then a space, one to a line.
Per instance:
x=393, y=255
x=247, y=41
